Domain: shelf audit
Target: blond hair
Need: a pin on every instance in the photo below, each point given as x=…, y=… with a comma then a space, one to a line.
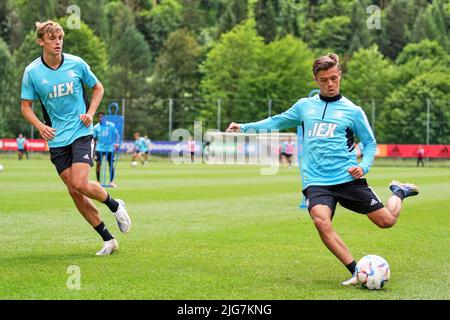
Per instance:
x=48, y=27
x=325, y=63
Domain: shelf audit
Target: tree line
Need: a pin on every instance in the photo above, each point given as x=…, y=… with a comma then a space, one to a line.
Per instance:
x=242, y=55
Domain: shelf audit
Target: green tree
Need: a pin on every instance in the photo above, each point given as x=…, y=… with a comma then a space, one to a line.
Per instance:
x=177, y=77
x=130, y=65
x=156, y=24
x=193, y=17
x=394, y=29
x=333, y=34
x=266, y=20
x=288, y=13
x=129, y=54
x=285, y=74
x=9, y=112
x=436, y=25
x=405, y=116
x=362, y=36
x=92, y=12
x=232, y=13
x=419, y=58
x=5, y=22
x=119, y=17
x=369, y=77
x=176, y=71
x=230, y=70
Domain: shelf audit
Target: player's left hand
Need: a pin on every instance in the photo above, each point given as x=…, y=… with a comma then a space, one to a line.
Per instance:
x=356, y=172
x=86, y=119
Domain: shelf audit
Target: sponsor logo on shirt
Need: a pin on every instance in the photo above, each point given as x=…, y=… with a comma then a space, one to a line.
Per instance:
x=323, y=130
x=61, y=90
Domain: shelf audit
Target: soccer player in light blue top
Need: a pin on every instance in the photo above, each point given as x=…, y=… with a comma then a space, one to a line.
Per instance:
x=140, y=149
x=330, y=170
x=57, y=80
x=107, y=141
x=21, y=146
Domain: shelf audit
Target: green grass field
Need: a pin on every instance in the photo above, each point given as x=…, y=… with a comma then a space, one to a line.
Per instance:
x=213, y=232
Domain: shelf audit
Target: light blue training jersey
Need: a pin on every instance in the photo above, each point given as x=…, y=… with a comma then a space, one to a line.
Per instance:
x=106, y=136
x=20, y=143
x=141, y=145
x=329, y=126
x=62, y=96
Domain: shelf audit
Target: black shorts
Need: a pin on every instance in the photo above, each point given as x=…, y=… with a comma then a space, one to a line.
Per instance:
x=355, y=195
x=138, y=152
x=81, y=150
x=99, y=155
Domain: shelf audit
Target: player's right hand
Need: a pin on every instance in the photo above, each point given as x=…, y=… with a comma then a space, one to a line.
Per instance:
x=233, y=127
x=46, y=132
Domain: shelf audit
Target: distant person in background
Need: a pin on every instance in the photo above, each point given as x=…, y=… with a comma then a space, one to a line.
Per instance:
x=191, y=148
x=148, y=143
x=21, y=141
x=287, y=150
x=106, y=139
x=25, y=147
x=141, y=149
x=420, y=155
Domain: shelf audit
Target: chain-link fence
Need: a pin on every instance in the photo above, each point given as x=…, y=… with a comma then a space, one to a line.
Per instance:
x=426, y=124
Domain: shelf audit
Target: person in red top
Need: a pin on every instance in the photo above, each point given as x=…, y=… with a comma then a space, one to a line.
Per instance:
x=420, y=154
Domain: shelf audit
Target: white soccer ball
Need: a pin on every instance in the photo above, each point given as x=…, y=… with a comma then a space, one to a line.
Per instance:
x=134, y=164
x=1, y=168
x=372, y=272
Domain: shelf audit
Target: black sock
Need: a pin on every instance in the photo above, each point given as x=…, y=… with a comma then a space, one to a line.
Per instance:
x=351, y=267
x=98, y=175
x=399, y=193
x=103, y=232
x=112, y=204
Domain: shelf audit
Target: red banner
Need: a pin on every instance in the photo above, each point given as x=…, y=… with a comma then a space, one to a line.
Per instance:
x=383, y=150
x=30, y=145
x=411, y=150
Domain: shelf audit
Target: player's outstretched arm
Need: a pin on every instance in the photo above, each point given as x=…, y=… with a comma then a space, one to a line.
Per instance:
x=46, y=132
x=288, y=119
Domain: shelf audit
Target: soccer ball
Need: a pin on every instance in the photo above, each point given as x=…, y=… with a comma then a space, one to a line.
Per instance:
x=372, y=272
x=1, y=168
x=134, y=164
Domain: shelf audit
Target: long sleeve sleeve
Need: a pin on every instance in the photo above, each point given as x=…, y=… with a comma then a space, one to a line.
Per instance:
x=365, y=134
x=288, y=119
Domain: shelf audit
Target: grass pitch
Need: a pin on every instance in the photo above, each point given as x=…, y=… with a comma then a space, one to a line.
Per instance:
x=213, y=232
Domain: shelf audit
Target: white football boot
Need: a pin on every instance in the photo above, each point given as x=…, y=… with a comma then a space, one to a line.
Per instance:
x=109, y=247
x=350, y=282
x=122, y=217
